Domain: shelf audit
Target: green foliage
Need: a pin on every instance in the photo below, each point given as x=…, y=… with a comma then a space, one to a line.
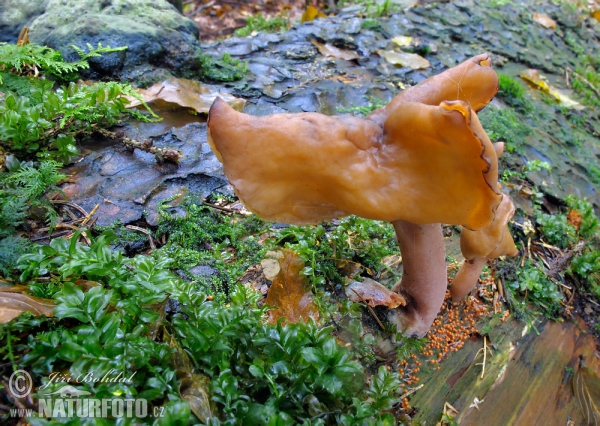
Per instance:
x=200, y=235
x=23, y=189
x=258, y=23
x=502, y=124
x=538, y=288
x=355, y=239
x=105, y=327
x=587, y=268
x=362, y=111
x=513, y=93
x=407, y=346
x=46, y=122
x=33, y=58
x=530, y=166
x=373, y=8
x=589, y=220
x=371, y=24
x=224, y=69
x=284, y=372
x=11, y=248
x=556, y=229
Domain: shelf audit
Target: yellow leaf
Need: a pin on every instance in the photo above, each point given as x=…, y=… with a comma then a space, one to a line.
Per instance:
x=533, y=77
x=311, y=13
x=596, y=15
x=544, y=20
x=289, y=296
x=185, y=93
x=14, y=304
x=402, y=40
x=330, y=50
x=586, y=386
x=410, y=60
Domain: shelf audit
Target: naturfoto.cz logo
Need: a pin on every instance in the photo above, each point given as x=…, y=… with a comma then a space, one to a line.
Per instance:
x=70, y=402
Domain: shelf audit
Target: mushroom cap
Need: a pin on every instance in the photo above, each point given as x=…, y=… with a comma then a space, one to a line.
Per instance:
x=429, y=164
x=473, y=81
x=494, y=240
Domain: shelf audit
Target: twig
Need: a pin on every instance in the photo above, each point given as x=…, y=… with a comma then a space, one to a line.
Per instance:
x=410, y=392
x=70, y=204
x=369, y=308
x=586, y=81
x=172, y=155
x=485, y=349
x=214, y=206
x=89, y=216
x=143, y=231
x=200, y=9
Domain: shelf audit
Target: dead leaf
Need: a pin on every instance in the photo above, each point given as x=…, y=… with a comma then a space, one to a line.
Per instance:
x=185, y=93
x=14, y=304
x=289, y=296
x=544, y=20
x=311, y=13
x=85, y=285
x=402, y=41
x=330, y=50
x=194, y=387
x=404, y=59
x=534, y=77
x=195, y=390
x=374, y=294
x=586, y=386
x=596, y=14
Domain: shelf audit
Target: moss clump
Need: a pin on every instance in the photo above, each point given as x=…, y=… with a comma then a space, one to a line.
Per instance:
x=502, y=124
x=222, y=69
x=513, y=93
x=260, y=23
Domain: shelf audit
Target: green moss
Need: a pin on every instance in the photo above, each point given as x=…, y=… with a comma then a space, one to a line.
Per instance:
x=221, y=69
x=260, y=23
x=503, y=124
x=513, y=93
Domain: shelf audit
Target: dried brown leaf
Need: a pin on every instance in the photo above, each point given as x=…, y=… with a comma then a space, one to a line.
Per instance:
x=544, y=20
x=289, y=296
x=586, y=386
x=195, y=390
x=185, y=93
x=374, y=294
x=404, y=59
x=85, y=285
x=14, y=304
x=327, y=49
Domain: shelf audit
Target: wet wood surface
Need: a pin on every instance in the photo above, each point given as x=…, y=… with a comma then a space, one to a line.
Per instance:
x=527, y=379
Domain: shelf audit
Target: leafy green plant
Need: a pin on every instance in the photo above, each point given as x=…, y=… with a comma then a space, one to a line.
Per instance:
x=292, y=373
x=587, y=268
x=23, y=189
x=538, y=288
x=557, y=229
x=258, y=23
x=32, y=58
x=221, y=69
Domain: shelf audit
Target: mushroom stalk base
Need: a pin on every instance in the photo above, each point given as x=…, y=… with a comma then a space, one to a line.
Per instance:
x=425, y=278
x=466, y=278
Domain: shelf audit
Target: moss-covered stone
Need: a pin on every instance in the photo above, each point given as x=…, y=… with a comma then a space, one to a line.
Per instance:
x=156, y=34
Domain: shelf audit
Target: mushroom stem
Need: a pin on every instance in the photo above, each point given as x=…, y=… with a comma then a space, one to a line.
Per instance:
x=424, y=278
x=466, y=278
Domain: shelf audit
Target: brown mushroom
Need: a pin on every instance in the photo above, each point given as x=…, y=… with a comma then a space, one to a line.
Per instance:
x=428, y=165
x=473, y=81
x=480, y=246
